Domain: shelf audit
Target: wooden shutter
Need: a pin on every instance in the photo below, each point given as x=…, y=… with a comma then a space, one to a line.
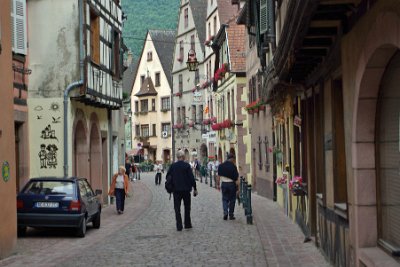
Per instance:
x=263, y=16
x=18, y=26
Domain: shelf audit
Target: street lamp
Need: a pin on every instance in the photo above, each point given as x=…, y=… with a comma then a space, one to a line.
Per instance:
x=192, y=62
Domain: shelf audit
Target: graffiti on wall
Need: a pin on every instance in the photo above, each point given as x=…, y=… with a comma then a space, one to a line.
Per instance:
x=48, y=129
x=48, y=156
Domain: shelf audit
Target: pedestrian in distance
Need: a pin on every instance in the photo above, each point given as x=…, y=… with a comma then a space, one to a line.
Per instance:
x=228, y=182
x=183, y=181
x=159, y=169
x=128, y=168
x=119, y=188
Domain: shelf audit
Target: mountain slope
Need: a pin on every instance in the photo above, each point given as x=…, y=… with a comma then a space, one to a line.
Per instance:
x=144, y=15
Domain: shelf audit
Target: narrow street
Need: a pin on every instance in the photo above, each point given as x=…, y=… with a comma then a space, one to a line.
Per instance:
x=145, y=235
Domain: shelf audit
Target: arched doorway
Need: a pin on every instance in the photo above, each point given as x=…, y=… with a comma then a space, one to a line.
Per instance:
x=376, y=149
x=81, y=154
x=388, y=154
x=95, y=157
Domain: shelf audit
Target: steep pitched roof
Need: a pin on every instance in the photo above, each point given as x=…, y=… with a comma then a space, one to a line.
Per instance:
x=147, y=88
x=129, y=77
x=226, y=11
x=237, y=49
x=199, y=11
x=164, y=43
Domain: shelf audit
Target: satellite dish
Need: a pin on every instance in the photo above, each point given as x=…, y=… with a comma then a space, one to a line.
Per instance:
x=164, y=134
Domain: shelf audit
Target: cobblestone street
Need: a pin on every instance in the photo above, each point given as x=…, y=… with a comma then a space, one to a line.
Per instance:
x=145, y=235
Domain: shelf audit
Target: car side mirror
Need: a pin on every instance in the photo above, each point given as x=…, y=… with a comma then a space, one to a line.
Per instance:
x=98, y=192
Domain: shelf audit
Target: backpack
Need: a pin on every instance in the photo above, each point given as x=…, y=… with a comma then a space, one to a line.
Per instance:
x=169, y=185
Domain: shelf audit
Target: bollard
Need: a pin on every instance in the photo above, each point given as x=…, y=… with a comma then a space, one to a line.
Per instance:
x=215, y=180
x=249, y=209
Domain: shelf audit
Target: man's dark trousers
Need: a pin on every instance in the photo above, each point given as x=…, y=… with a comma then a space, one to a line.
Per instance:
x=158, y=178
x=178, y=197
x=228, y=198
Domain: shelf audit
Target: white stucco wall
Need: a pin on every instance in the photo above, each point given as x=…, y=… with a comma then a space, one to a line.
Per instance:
x=53, y=28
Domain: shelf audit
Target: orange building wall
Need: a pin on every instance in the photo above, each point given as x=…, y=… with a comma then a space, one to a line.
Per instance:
x=8, y=228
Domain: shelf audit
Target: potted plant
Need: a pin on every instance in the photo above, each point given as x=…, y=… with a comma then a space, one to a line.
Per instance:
x=296, y=186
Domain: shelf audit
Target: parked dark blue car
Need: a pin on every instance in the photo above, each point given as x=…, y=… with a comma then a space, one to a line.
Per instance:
x=58, y=202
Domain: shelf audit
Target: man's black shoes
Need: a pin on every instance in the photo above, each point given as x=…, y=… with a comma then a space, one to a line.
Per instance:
x=225, y=217
x=232, y=217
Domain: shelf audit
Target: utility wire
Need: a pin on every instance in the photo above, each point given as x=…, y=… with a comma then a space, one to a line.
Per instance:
x=157, y=41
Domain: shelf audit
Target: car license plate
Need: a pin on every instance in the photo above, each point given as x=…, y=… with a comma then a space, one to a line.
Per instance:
x=46, y=204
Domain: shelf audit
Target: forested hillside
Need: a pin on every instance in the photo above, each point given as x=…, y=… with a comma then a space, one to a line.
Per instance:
x=144, y=15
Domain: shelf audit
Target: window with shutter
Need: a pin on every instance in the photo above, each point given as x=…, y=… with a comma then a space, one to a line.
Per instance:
x=263, y=16
x=18, y=26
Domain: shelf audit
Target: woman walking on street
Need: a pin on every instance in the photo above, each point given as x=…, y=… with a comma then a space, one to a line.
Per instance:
x=119, y=188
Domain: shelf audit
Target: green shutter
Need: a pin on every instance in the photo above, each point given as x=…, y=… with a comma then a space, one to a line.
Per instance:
x=263, y=16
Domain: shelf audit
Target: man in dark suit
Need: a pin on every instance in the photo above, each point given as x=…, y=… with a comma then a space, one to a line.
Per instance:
x=228, y=175
x=183, y=182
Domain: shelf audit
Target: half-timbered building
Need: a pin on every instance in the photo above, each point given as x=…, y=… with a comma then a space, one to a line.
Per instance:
x=75, y=89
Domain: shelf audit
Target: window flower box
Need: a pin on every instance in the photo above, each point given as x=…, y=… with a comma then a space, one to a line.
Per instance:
x=191, y=124
x=206, y=121
x=179, y=94
x=296, y=186
x=216, y=127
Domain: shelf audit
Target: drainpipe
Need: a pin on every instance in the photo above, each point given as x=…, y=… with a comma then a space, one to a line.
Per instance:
x=172, y=120
x=73, y=86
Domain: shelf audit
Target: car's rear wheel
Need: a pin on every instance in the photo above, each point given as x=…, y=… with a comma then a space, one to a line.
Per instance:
x=21, y=230
x=81, y=232
x=97, y=220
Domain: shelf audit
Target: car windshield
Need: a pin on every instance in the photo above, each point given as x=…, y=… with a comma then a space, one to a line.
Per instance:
x=49, y=188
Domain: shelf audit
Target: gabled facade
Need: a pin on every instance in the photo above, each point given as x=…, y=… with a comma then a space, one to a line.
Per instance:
x=260, y=155
x=8, y=222
x=230, y=84
x=218, y=13
x=151, y=97
x=187, y=100
x=75, y=90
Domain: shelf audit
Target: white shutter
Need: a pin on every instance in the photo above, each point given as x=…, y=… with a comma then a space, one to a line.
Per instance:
x=20, y=27
x=263, y=16
x=12, y=21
